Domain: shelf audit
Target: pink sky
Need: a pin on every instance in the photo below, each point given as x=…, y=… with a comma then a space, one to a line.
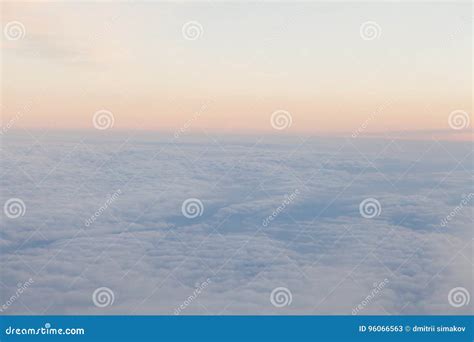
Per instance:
x=249, y=60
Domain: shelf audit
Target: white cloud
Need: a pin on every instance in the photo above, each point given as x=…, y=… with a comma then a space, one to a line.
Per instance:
x=152, y=257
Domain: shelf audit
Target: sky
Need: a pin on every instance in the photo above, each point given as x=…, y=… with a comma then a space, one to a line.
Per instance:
x=317, y=61
x=209, y=158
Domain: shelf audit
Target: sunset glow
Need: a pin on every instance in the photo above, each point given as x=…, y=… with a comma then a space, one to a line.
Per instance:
x=246, y=63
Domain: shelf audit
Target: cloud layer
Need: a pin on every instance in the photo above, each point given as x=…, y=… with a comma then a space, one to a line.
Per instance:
x=317, y=244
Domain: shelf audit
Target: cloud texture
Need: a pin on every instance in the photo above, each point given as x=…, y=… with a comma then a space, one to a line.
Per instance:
x=317, y=245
